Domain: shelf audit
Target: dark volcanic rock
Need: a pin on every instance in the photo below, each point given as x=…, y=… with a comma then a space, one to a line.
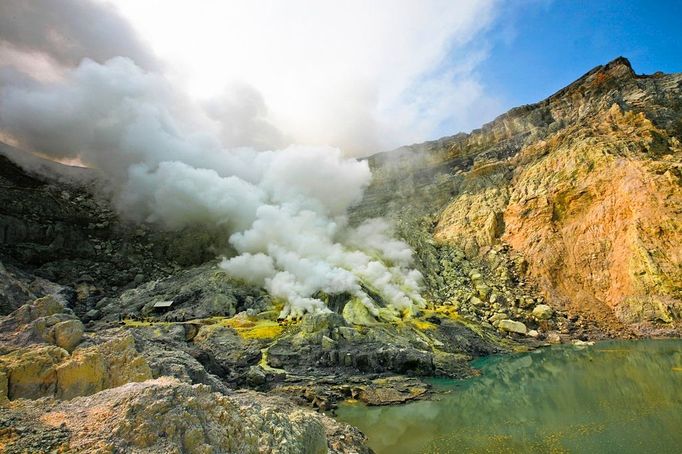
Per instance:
x=194, y=293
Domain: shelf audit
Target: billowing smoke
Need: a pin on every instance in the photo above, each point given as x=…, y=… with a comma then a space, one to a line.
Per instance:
x=66, y=31
x=285, y=210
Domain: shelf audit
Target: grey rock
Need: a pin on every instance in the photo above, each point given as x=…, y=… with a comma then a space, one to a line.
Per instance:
x=68, y=334
x=542, y=312
x=512, y=326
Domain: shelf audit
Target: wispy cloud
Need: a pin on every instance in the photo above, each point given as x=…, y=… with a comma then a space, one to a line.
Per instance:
x=356, y=74
x=363, y=76
x=67, y=31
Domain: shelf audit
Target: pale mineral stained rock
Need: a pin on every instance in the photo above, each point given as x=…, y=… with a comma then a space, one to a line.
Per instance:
x=542, y=312
x=31, y=371
x=356, y=313
x=165, y=415
x=554, y=338
x=512, y=326
x=45, y=370
x=68, y=334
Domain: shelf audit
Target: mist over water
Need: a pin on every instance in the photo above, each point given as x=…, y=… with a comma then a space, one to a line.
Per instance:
x=165, y=160
x=612, y=397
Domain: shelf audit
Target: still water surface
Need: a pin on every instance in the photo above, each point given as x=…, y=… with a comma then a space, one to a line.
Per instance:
x=612, y=397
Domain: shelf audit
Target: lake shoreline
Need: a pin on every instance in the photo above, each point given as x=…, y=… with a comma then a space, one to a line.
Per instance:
x=521, y=399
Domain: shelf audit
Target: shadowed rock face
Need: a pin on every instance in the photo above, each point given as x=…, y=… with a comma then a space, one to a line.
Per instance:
x=584, y=188
x=54, y=226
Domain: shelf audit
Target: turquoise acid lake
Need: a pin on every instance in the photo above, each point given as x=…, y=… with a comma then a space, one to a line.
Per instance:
x=611, y=397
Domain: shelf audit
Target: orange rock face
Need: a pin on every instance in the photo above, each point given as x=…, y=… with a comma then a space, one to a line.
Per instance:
x=595, y=210
x=582, y=190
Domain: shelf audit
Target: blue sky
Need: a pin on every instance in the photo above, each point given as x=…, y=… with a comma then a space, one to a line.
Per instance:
x=539, y=47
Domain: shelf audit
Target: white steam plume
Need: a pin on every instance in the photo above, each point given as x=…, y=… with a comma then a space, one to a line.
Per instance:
x=285, y=210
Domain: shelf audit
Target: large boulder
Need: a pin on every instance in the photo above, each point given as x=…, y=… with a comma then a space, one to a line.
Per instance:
x=356, y=313
x=512, y=326
x=68, y=334
x=542, y=312
x=32, y=371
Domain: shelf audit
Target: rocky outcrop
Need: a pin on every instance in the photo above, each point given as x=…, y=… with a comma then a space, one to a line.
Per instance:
x=46, y=370
x=254, y=347
x=603, y=203
x=18, y=288
x=192, y=293
x=44, y=320
x=45, y=353
x=31, y=372
x=108, y=364
x=165, y=415
x=66, y=390
x=59, y=228
x=328, y=343
x=577, y=197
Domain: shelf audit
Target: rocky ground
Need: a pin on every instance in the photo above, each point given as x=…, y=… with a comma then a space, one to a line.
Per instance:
x=557, y=222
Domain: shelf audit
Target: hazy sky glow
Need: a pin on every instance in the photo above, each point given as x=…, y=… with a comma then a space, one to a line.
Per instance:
x=368, y=75
x=362, y=75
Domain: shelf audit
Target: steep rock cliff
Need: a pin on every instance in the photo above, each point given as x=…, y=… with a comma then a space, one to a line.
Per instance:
x=582, y=190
